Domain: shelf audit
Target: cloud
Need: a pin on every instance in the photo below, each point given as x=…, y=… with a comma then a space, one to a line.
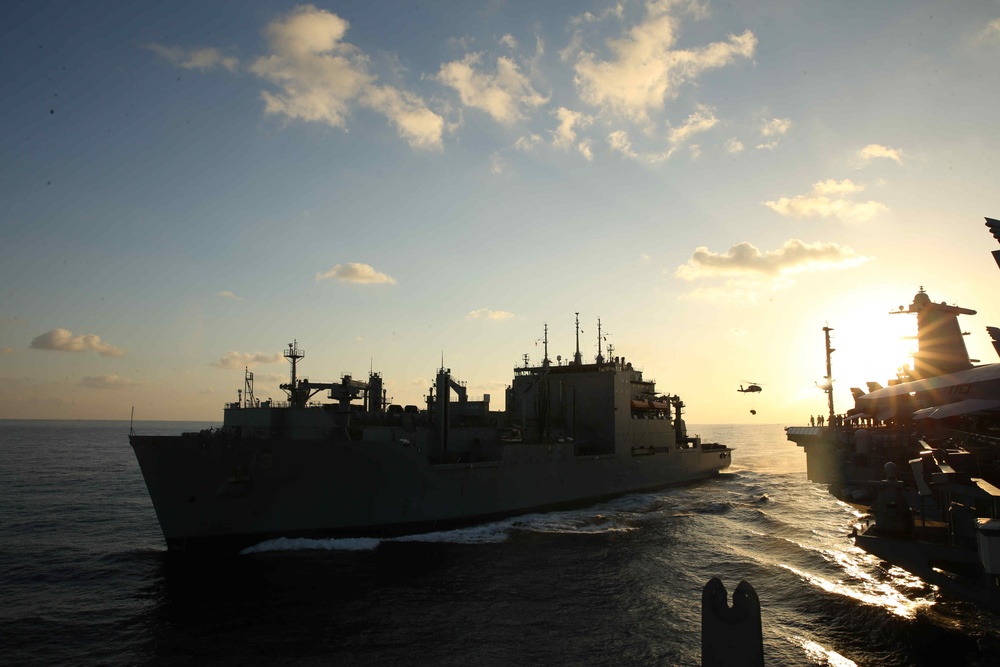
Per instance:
x=226, y=294
x=415, y=123
x=620, y=142
x=234, y=359
x=701, y=120
x=319, y=78
x=872, y=151
x=528, y=142
x=501, y=95
x=352, y=272
x=489, y=314
x=113, y=381
x=745, y=259
x=199, y=59
x=829, y=198
x=734, y=146
x=509, y=41
x=645, y=69
x=564, y=136
x=776, y=127
x=991, y=33
x=63, y=340
x=497, y=163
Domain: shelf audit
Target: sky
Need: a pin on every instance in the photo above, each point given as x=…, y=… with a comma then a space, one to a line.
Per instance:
x=188, y=187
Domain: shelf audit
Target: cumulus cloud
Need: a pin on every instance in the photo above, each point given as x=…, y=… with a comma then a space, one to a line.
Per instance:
x=486, y=313
x=63, y=340
x=113, y=381
x=415, y=123
x=509, y=41
x=234, y=359
x=873, y=151
x=829, y=198
x=353, y=272
x=645, y=69
x=199, y=59
x=734, y=146
x=319, y=77
x=745, y=259
x=501, y=94
x=565, y=135
x=702, y=120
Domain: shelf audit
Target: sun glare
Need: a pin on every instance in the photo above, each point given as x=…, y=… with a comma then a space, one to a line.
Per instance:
x=873, y=350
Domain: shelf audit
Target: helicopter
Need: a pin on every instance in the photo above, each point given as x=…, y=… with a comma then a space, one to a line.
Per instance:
x=753, y=388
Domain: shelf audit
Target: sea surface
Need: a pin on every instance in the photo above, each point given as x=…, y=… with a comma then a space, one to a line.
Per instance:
x=85, y=577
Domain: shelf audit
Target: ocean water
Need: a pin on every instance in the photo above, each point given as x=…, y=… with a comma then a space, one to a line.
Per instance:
x=85, y=577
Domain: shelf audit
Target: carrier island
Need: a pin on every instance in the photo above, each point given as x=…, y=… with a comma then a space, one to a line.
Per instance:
x=571, y=434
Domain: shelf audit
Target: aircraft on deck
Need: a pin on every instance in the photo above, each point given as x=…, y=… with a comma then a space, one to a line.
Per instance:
x=943, y=381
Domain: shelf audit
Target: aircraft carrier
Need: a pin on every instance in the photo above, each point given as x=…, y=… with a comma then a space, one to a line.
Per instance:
x=572, y=433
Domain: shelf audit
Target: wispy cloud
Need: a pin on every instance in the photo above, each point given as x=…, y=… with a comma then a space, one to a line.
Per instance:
x=829, y=198
x=873, y=151
x=620, y=142
x=773, y=129
x=734, y=146
x=646, y=69
x=702, y=120
x=486, y=313
x=113, y=381
x=233, y=360
x=794, y=256
x=63, y=340
x=991, y=33
x=226, y=294
x=776, y=127
x=353, y=272
x=199, y=59
x=501, y=94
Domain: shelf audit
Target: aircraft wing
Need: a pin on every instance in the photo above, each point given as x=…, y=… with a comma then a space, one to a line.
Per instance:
x=965, y=407
x=981, y=383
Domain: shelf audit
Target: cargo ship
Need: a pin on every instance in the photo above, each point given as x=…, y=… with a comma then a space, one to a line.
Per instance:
x=353, y=464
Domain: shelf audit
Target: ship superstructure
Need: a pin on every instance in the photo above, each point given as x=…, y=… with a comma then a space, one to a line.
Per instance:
x=355, y=465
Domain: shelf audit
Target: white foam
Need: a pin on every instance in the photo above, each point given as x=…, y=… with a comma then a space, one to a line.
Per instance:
x=302, y=544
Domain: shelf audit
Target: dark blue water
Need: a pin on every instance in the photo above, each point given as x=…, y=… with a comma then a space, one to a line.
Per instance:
x=85, y=579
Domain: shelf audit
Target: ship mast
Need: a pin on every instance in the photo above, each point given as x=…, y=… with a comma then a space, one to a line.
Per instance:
x=545, y=346
x=600, y=357
x=577, y=358
x=828, y=385
x=293, y=354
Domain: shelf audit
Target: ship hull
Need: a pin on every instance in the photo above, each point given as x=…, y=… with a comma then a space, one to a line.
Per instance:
x=215, y=493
